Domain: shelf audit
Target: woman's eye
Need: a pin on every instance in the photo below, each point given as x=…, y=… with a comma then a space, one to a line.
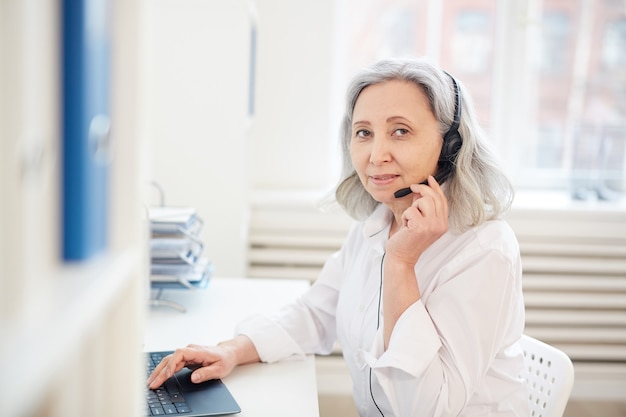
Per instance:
x=400, y=132
x=362, y=133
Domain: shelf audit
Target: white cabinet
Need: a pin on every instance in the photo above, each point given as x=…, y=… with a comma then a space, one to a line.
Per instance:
x=67, y=331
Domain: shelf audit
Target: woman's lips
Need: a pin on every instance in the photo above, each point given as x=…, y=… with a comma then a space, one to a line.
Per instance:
x=383, y=179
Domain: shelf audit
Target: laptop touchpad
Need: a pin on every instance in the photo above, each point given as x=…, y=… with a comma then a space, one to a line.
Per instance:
x=184, y=378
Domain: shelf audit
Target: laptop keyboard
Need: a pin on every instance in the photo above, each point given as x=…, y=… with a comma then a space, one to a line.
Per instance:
x=168, y=399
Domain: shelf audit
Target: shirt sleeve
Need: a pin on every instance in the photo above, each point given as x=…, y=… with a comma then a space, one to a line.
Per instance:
x=303, y=327
x=441, y=349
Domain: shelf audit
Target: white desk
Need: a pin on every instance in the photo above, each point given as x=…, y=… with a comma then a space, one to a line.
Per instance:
x=286, y=388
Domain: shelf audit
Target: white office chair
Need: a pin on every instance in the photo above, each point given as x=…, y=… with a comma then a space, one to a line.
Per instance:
x=549, y=373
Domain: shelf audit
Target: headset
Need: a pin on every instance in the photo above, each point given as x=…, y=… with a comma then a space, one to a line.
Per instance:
x=452, y=142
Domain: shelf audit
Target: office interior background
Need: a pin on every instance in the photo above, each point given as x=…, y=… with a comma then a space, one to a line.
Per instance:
x=233, y=107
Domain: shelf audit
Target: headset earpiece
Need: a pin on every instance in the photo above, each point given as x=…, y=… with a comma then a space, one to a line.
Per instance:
x=452, y=140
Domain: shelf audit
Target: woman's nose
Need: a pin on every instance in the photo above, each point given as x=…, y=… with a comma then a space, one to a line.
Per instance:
x=380, y=152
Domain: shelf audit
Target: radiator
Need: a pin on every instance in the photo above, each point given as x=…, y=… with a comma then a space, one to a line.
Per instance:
x=293, y=242
x=574, y=276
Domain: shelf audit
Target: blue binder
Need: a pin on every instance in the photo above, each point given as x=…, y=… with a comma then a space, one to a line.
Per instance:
x=86, y=148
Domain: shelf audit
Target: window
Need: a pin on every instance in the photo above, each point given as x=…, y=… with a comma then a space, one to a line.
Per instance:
x=614, y=45
x=547, y=78
x=555, y=34
x=471, y=44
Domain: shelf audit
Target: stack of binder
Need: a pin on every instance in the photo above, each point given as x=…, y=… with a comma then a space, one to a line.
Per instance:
x=176, y=251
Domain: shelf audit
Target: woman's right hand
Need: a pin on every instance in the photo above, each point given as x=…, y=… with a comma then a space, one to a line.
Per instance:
x=208, y=362
x=425, y=221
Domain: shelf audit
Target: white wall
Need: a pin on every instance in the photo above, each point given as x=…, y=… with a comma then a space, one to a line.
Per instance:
x=196, y=83
x=206, y=151
x=292, y=135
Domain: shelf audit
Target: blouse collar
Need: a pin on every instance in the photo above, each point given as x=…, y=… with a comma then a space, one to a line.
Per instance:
x=376, y=226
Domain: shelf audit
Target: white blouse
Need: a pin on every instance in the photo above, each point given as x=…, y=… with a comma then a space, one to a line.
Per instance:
x=453, y=352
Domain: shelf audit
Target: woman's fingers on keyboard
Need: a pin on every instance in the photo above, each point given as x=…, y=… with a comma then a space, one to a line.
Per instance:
x=191, y=356
x=154, y=381
x=168, y=366
x=160, y=374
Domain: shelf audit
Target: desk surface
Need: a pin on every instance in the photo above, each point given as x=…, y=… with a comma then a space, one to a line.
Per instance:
x=286, y=388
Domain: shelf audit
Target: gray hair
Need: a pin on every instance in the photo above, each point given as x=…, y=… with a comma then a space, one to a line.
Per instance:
x=477, y=190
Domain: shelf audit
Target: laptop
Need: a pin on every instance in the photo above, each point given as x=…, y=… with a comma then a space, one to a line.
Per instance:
x=179, y=396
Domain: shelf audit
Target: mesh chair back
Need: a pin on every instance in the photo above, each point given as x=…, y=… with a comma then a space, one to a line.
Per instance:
x=549, y=373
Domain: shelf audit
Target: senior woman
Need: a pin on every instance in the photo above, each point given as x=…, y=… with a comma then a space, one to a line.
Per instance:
x=425, y=294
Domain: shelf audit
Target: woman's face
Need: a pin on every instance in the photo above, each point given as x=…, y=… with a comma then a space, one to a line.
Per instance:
x=395, y=138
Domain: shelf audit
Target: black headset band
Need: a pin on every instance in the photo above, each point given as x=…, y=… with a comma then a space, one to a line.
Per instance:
x=452, y=140
x=456, y=122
